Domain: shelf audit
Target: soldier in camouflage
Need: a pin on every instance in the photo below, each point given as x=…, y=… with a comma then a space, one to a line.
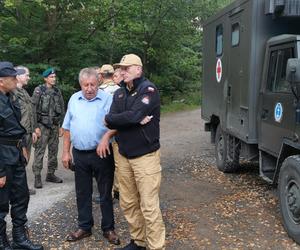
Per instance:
x=27, y=118
x=48, y=105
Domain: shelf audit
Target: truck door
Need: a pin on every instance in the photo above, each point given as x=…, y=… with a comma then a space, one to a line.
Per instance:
x=236, y=90
x=277, y=110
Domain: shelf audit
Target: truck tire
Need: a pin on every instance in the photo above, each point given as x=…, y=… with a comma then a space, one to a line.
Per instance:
x=289, y=196
x=227, y=151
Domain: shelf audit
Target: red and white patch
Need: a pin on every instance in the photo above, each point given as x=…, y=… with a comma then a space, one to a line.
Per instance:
x=150, y=89
x=146, y=100
x=219, y=70
x=120, y=95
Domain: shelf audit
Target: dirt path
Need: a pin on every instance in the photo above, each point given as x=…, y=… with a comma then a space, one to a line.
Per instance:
x=202, y=208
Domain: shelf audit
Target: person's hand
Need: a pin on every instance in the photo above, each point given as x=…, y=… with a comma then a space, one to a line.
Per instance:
x=66, y=159
x=25, y=153
x=38, y=132
x=34, y=137
x=146, y=119
x=61, y=132
x=2, y=181
x=103, y=147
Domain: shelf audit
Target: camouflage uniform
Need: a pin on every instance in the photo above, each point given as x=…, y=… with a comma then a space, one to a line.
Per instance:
x=48, y=105
x=27, y=119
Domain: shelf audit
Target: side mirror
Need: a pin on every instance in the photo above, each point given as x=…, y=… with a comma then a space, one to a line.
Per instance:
x=293, y=70
x=293, y=75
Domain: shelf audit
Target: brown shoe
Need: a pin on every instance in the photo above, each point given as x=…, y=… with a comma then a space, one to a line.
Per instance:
x=78, y=235
x=112, y=237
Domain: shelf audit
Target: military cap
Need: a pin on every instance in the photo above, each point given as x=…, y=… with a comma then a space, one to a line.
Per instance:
x=48, y=72
x=107, y=68
x=128, y=60
x=7, y=69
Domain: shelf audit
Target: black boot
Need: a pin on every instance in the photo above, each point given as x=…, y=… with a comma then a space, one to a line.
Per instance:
x=53, y=178
x=4, y=244
x=38, y=181
x=21, y=241
x=131, y=246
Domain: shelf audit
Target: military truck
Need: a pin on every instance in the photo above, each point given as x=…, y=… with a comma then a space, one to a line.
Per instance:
x=251, y=94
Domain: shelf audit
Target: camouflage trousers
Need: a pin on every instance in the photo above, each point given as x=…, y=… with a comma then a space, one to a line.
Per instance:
x=49, y=137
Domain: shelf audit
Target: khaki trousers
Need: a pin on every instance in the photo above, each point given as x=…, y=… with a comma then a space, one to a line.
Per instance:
x=116, y=159
x=139, y=182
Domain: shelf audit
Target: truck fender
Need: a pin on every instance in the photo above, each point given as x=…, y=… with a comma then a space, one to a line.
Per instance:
x=287, y=149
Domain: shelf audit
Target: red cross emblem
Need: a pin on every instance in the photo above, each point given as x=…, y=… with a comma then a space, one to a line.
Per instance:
x=219, y=70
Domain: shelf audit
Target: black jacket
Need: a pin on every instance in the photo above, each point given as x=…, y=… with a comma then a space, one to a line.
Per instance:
x=10, y=128
x=128, y=109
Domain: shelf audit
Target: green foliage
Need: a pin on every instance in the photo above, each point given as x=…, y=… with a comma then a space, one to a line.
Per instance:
x=72, y=34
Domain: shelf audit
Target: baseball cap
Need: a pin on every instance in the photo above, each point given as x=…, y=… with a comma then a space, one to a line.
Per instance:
x=128, y=60
x=48, y=72
x=107, y=68
x=7, y=69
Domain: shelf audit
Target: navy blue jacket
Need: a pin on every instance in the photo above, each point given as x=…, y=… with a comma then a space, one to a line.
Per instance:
x=10, y=128
x=128, y=109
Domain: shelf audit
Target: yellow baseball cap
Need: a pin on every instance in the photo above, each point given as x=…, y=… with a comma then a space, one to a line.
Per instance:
x=128, y=60
x=107, y=68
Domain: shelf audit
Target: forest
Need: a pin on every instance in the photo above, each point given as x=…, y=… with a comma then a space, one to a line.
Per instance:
x=72, y=34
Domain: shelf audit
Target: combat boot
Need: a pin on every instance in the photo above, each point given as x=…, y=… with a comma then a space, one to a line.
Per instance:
x=53, y=178
x=21, y=240
x=4, y=244
x=38, y=181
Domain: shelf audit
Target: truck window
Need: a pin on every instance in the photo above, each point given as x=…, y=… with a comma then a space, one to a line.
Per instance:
x=219, y=40
x=235, y=34
x=277, y=70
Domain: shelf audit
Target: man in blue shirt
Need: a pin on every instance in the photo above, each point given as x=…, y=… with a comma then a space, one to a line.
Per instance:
x=84, y=129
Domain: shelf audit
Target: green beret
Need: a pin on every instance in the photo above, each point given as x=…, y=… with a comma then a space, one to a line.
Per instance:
x=48, y=72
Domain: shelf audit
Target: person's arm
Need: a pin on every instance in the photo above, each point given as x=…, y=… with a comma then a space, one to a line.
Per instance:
x=142, y=107
x=34, y=100
x=103, y=145
x=66, y=155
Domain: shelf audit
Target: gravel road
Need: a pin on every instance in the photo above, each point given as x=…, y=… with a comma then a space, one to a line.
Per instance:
x=202, y=207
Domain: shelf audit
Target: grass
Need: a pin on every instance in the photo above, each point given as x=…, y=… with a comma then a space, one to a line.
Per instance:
x=178, y=106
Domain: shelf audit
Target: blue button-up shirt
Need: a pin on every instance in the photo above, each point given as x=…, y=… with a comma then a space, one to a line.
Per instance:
x=84, y=119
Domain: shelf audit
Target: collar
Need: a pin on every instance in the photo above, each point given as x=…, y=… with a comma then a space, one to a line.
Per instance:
x=98, y=96
x=106, y=84
x=136, y=83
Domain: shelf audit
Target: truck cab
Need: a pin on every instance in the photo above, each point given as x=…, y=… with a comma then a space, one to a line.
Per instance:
x=251, y=94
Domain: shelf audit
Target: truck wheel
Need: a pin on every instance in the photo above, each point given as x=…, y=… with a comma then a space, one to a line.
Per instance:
x=227, y=151
x=289, y=196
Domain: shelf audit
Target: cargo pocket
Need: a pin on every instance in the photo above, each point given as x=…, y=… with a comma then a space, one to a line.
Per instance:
x=152, y=163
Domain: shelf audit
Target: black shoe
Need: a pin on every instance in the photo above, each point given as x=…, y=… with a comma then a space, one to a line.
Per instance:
x=116, y=195
x=32, y=191
x=38, y=181
x=4, y=244
x=21, y=241
x=53, y=178
x=131, y=246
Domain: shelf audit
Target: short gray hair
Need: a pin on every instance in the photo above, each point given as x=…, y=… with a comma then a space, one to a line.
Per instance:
x=86, y=73
x=21, y=67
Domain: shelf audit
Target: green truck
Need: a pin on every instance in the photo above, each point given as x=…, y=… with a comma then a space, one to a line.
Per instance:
x=251, y=94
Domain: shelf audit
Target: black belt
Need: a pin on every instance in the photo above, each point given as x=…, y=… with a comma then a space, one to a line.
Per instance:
x=85, y=151
x=11, y=142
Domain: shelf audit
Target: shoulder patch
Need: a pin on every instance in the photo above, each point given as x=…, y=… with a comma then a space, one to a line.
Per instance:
x=146, y=100
x=120, y=95
x=151, y=89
